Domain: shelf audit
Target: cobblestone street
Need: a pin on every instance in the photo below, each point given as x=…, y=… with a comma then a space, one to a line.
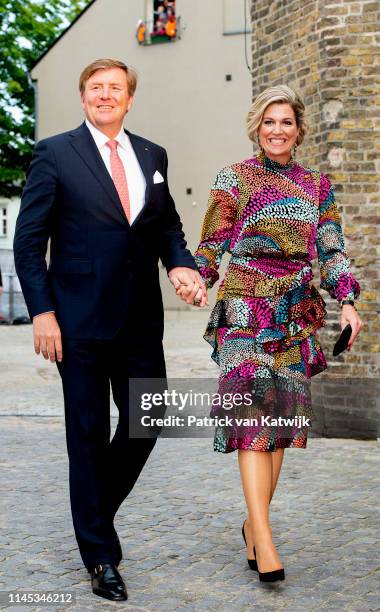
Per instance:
x=181, y=526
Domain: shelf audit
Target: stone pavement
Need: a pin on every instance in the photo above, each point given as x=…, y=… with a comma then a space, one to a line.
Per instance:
x=181, y=526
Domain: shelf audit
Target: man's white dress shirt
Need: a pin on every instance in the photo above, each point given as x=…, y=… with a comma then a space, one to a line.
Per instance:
x=135, y=177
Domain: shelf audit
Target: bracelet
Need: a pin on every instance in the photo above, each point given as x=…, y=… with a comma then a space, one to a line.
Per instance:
x=342, y=302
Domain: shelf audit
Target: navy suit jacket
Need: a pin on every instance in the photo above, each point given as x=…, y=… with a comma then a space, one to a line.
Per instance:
x=98, y=262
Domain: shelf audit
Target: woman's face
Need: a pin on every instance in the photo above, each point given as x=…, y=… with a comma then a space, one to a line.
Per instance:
x=278, y=131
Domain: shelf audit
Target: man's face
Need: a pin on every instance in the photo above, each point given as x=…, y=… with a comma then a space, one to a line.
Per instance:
x=105, y=99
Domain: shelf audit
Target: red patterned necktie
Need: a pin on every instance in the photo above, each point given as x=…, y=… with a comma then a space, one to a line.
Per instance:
x=119, y=178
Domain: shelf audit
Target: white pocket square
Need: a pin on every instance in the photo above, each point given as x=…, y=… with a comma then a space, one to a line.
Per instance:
x=157, y=177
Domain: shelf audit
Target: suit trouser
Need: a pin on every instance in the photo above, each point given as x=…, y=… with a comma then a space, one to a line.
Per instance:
x=102, y=472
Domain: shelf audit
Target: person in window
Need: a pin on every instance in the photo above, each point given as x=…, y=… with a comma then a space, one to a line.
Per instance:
x=160, y=29
x=274, y=216
x=171, y=27
x=160, y=18
x=140, y=32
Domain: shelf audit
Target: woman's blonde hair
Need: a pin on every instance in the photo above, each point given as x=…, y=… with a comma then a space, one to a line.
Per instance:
x=281, y=94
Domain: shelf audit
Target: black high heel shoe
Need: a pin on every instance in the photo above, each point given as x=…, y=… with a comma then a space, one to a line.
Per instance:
x=278, y=574
x=272, y=576
x=251, y=562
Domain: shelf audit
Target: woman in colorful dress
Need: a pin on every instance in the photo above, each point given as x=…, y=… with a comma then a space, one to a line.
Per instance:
x=274, y=216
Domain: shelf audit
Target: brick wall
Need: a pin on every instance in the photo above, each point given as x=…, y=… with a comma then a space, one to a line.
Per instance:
x=329, y=51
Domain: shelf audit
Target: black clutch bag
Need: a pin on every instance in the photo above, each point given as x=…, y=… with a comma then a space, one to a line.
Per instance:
x=342, y=342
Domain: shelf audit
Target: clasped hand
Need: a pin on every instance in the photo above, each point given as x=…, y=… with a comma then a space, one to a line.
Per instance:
x=189, y=286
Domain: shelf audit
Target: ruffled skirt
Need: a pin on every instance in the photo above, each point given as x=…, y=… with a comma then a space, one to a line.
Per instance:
x=267, y=349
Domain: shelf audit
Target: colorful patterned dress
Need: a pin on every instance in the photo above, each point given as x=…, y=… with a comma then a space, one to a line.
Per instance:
x=273, y=219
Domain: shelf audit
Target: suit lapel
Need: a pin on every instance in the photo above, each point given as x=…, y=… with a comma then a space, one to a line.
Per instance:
x=144, y=157
x=84, y=145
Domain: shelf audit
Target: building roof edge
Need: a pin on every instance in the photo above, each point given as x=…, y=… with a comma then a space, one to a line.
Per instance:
x=61, y=35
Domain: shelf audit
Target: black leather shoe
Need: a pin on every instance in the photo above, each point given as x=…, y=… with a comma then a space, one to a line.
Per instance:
x=107, y=582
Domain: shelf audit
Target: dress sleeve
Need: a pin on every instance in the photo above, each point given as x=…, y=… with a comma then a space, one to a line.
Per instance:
x=217, y=225
x=334, y=264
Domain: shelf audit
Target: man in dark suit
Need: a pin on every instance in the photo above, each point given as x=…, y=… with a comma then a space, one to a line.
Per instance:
x=101, y=195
